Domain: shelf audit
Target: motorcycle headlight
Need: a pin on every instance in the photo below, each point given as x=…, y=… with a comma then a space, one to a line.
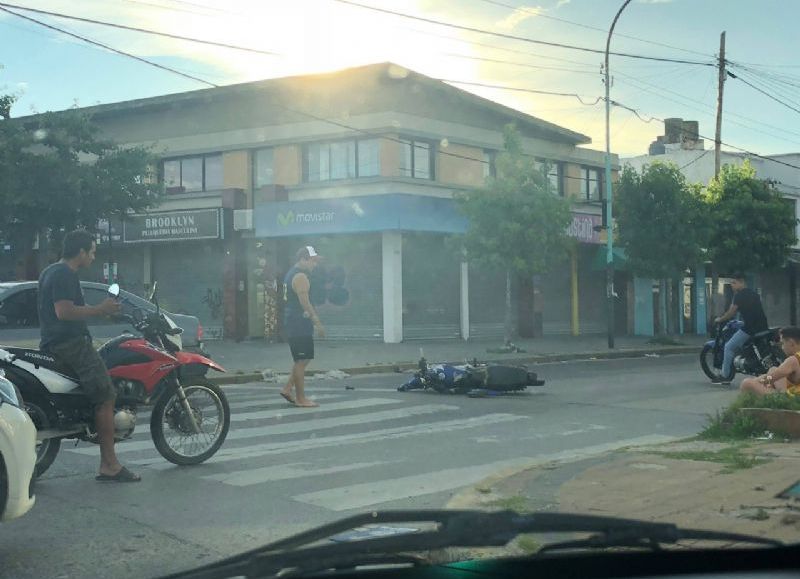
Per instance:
x=8, y=394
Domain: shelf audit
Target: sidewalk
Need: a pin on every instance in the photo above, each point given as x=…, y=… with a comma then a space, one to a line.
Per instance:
x=694, y=484
x=245, y=360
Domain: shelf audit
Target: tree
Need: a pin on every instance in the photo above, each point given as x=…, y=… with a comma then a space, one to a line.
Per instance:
x=753, y=227
x=663, y=224
x=57, y=173
x=516, y=223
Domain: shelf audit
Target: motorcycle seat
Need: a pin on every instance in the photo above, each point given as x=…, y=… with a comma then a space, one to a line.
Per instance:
x=766, y=333
x=44, y=360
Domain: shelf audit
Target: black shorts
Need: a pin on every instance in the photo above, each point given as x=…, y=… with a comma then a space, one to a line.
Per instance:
x=302, y=348
x=79, y=354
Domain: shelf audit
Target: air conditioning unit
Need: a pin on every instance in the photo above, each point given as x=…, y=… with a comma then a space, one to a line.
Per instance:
x=242, y=219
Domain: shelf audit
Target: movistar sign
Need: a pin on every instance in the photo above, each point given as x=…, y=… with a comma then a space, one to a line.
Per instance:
x=396, y=211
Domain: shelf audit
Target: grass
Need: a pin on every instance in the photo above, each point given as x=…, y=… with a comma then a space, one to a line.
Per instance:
x=732, y=457
x=528, y=544
x=731, y=424
x=516, y=503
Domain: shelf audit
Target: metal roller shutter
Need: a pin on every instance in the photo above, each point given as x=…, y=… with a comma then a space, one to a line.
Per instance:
x=431, y=287
x=189, y=276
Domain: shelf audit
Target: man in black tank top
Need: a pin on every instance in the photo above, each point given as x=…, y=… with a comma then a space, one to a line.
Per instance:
x=300, y=320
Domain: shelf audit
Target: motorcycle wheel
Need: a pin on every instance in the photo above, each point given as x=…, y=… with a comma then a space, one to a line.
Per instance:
x=43, y=417
x=707, y=362
x=172, y=432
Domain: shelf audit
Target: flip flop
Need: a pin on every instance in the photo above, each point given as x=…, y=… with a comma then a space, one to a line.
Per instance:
x=123, y=476
x=288, y=398
x=312, y=404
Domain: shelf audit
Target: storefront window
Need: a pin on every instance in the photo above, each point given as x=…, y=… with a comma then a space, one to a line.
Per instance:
x=203, y=173
x=263, y=163
x=415, y=160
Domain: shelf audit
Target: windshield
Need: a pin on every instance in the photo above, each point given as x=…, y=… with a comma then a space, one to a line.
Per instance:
x=431, y=254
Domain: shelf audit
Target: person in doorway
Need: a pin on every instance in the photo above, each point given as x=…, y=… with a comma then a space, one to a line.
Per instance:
x=300, y=322
x=64, y=335
x=747, y=303
x=784, y=378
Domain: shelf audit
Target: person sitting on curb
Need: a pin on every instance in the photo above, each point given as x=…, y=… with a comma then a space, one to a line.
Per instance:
x=784, y=378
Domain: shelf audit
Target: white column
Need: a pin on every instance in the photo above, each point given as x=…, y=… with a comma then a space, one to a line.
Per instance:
x=392, y=287
x=465, y=300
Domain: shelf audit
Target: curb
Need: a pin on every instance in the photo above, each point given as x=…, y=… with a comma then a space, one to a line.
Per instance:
x=534, y=359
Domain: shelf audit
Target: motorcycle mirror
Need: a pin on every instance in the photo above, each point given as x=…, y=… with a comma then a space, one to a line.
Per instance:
x=113, y=290
x=153, y=292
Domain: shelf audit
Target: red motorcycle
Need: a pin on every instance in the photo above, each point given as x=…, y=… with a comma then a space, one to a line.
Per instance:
x=190, y=416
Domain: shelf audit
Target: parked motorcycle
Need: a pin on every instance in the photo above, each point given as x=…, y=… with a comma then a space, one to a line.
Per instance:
x=760, y=353
x=190, y=416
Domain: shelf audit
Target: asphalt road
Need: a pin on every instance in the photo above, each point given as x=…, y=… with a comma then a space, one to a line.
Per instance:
x=283, y=469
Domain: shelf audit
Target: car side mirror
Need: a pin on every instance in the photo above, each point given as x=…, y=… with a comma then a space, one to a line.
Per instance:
x=113, y=290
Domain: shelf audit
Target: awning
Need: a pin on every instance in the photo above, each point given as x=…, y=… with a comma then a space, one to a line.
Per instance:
x=620, y=260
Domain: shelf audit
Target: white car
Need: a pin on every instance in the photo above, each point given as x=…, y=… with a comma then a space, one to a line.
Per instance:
x=17, y=453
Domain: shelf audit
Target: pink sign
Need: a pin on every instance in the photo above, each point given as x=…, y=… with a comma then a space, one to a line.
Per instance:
x=582, y=227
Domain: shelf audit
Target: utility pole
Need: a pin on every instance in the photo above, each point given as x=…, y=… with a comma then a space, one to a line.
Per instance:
x=720, y=91
x=717, y=154
x=610, y=319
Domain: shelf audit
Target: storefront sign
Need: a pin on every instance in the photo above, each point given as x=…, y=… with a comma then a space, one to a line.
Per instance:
x=391, y=212
x=176, y=225
x=583, y=226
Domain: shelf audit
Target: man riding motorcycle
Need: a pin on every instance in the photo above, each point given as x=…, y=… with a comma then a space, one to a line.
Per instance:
x=65, y=335
x=747, y=303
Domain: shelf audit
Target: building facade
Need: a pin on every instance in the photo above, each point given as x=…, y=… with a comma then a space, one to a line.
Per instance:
x=363, y=164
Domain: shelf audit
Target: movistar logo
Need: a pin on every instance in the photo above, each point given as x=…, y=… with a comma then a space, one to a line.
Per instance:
x=285, y=219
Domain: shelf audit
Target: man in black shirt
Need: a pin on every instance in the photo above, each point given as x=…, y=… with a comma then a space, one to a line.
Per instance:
x=62, y=315
x=747, y=303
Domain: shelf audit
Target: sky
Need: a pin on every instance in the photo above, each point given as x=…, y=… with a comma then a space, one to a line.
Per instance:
x=50, y=71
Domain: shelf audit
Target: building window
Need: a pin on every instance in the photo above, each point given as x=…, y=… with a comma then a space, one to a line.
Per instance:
x=263, y=168
x=189, y=174
x=554, y=173
x=488, y=165
x=591, y=184
x=416, y=159
x=342, y=160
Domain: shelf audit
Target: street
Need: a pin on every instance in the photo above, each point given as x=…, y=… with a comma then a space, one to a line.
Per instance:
x=283, y=470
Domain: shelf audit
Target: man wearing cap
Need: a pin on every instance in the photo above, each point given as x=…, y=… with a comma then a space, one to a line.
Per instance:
x=300, y=321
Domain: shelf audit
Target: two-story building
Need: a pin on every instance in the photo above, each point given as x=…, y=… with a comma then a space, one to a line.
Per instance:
x=363, y=164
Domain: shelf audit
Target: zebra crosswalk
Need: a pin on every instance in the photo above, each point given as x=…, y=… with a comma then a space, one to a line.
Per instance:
x=358, y=449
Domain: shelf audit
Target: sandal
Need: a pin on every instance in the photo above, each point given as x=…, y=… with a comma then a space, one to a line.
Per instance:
x=124, y=475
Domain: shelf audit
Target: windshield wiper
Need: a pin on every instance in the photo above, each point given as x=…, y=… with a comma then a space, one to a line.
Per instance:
x=454, y=528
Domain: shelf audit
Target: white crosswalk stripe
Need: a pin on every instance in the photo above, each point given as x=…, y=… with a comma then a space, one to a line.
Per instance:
x=269, y=443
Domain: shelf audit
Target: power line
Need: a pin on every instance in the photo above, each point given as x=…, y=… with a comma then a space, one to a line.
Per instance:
x=519, y=38
x=521, y=64
x=106, y=47
x=519, y=89
x=706, y=152
x=141, y=30
x=589, y=27
x=765, y=93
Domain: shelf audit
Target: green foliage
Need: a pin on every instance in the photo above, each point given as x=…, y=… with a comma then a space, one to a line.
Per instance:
x=516, y=223
x=753, y=228
x=732, y=424
x=733, y=458
x=662, y=221
x=58, y=173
